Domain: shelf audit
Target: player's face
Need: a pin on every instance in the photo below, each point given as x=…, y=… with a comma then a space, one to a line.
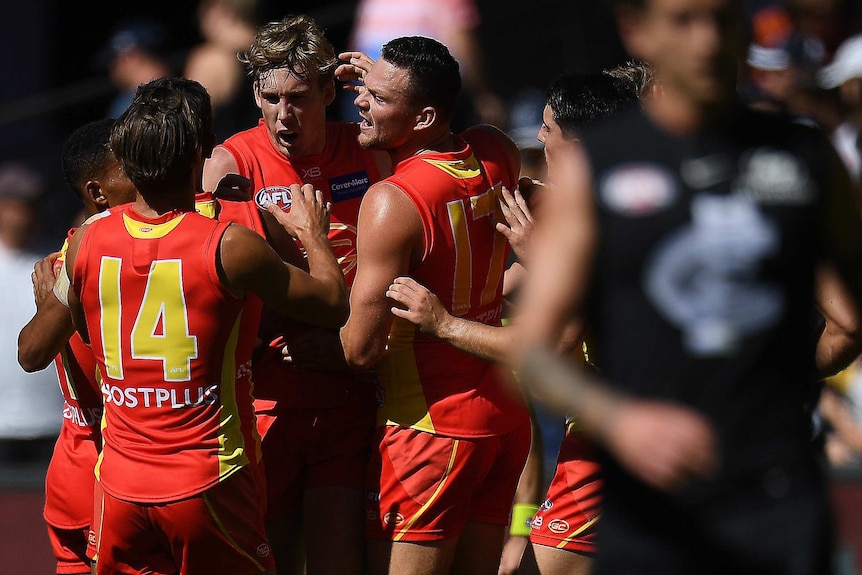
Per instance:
x=557, y=146
x=115, y=184
x=386, y=107
x=693, y=44
x=294, y=111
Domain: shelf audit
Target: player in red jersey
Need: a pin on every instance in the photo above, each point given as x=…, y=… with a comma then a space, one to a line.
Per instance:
x=563, y=532
x=456, y=435
x=94, y=174
x=159, y=290
x=316, y=419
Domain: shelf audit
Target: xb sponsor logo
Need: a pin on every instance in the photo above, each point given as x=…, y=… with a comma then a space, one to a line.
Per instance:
x=278, y=195
x=313, y=172
x=537, y=522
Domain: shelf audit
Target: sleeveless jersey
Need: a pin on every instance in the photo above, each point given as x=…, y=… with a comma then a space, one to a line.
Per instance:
x=429, y=385
x=703, y=280
x=174, y=364
x=343, y=172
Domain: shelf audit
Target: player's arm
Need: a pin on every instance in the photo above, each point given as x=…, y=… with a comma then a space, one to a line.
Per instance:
x=217, y=166
x=248, y=263
x=421, y=307
x=64, y=290
x=841, y=340
x=663, y=443
x=389, y=239
x=50, y=327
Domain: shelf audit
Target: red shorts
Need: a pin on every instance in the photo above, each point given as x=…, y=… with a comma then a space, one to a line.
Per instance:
x=567, y=519
x=425, y=487
x=306, y=448
x=70, y=549
x=69, y=501
x=218, y=531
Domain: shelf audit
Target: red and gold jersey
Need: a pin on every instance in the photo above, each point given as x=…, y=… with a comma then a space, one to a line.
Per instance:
x=428, y=384
x=173, y=361
x=343, y=172
x=77, y=375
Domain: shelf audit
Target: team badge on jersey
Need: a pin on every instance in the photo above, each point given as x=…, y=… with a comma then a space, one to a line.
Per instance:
x=278, y=195
x=638, y=189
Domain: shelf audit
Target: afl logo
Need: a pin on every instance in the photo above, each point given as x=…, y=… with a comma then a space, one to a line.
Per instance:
x=393, y=519
x=558, y=526
x=278, y=195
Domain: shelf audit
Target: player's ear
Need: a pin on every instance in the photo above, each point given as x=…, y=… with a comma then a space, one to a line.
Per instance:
x=426, y=118
x=94, y=192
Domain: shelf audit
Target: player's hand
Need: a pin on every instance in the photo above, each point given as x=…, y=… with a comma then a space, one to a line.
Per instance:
x=233, y=187
x=518, y=226
x=308, y=216
x=314, y=350
x=421, y=307
x=513, y=551
x=356, y=65
x=44, y=277
x=665, y=444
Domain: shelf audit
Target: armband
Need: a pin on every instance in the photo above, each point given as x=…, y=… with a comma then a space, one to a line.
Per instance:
x=522, y=517
x=62, y=285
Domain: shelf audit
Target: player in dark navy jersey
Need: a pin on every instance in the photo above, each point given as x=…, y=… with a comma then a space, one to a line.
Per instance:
x=688, y=239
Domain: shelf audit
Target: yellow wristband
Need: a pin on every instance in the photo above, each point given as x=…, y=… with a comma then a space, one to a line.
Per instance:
x=522, y=517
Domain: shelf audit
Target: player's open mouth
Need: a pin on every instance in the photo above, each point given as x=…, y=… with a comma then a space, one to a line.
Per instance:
x=287, y=138
x=365, y=123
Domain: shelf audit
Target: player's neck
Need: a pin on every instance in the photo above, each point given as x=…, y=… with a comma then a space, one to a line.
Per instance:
x=158, y=204
x=441, y=142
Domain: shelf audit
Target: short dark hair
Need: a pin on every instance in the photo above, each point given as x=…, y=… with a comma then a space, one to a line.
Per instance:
x=157, y=137
x=86, y=153
x=434, y=74
x=578, y=100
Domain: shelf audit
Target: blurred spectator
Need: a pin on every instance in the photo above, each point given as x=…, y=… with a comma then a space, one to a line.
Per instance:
x=844, y=74
x=137, y=52
x=781, y=62
x=30, y=406
x=452, y=22
x=227, y=28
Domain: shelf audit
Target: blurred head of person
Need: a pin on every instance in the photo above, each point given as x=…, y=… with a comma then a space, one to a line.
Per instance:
x=409, y=95
x=137, y=51
x=293, y=67
x=21, y=186
x=694, y=46
x=844, y=72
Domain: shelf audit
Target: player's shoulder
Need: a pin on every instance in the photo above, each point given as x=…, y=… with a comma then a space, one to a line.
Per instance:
x=486, y=135
x=489, y=142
